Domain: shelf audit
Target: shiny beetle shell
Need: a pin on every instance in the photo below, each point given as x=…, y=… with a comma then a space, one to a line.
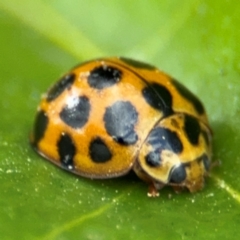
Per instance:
x=109, y=116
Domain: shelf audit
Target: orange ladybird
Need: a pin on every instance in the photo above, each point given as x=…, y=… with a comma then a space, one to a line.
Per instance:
x=109, y=116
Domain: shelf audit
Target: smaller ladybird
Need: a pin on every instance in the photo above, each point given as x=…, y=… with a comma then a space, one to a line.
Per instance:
x=109, y=116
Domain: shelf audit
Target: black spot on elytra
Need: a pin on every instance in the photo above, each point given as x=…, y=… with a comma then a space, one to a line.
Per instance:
x=76, y=113
x=153, y=159
x=192, y=129
x=99, y=151
x=189, y=96
x=178, y=174
x=165, y=139
x=158, y=97
x=120, y=119
x=104, y=76
x=137, y=64
x=64, y=83
x=66, y=151
x=40, y=126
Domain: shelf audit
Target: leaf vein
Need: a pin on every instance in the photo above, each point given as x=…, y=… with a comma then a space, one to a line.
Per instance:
x=223, y=185
x=45, y=20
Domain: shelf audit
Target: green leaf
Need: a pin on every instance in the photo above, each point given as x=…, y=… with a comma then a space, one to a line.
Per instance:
x=196, y=41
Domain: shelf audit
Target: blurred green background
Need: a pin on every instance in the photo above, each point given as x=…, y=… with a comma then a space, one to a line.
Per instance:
x=196, y=41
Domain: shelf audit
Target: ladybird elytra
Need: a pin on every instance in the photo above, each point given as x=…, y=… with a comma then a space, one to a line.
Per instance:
x=108, y=116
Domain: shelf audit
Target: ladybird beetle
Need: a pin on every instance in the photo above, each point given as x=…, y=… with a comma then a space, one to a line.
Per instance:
x=111, y=115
